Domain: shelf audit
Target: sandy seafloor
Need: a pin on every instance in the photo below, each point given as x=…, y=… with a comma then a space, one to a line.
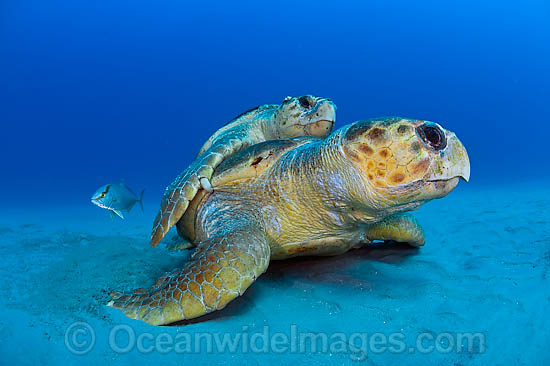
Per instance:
x=484, y=269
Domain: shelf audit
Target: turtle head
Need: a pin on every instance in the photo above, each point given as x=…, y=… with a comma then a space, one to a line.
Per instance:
x=405, y=162
x=305, y=116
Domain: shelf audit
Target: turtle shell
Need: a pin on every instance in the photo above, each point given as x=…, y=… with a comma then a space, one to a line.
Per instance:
x=243, y=166
x=241, y=119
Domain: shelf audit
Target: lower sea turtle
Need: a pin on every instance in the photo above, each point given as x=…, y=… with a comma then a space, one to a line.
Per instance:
x=296, y=116
x=302, y=196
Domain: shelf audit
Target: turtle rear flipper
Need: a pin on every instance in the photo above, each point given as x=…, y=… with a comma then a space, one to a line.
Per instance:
x=180, y=243
x=221, y=269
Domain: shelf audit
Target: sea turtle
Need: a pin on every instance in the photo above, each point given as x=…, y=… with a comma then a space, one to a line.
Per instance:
x=296, y=116
x=302, y=196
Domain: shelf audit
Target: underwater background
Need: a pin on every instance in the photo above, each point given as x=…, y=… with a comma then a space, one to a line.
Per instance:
x=95, y=92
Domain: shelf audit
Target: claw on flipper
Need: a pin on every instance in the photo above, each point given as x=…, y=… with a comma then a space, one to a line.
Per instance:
x=205, y=184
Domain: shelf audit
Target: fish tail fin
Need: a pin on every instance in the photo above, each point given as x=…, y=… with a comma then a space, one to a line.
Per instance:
x=141, y=200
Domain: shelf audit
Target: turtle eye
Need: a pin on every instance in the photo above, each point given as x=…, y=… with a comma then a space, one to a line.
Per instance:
x=305, y=102
x=432, y=135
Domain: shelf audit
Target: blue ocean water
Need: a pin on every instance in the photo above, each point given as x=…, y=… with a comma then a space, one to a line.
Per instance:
x=95, y=92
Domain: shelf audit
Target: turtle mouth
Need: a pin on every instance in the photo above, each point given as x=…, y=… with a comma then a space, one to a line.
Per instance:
x=323, y=112
x=331, y=121
x=443, y=187
x=465, y=178
x=452, y=162
x=319, y=128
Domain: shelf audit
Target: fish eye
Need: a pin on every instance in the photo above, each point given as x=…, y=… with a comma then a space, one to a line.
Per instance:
x=305, y=102
x=432, y=135
x=104, y=193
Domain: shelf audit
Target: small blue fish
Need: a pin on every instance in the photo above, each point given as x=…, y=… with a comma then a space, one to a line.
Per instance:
x=116, y=197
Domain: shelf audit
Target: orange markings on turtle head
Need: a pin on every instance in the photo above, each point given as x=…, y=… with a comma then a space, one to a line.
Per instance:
x=365, y=148
x=398, y=176
x=376, y=133
x=377, y=136
x=384, y=153
x=352, y=153
x=391, y=164
x=371, y=165
x=402, y=129
x=419, y=167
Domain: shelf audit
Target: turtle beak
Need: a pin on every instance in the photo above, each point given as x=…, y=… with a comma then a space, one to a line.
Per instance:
x=466, y=174
x=319, y=121
x=324, y=110
x=453, y=161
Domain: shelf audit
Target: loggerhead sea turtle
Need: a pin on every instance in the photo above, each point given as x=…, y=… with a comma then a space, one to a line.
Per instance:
x=302, y=196
x=296, y=116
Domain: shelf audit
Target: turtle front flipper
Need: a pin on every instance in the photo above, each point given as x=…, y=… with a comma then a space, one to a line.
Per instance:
x=185, y=187
x=221, y=269
x=400, y=228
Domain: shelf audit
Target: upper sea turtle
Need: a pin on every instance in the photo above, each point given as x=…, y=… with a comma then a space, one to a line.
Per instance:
x=302, y=196
x=296, y=116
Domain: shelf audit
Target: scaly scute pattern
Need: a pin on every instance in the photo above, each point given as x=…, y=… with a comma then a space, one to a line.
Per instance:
x=221, y=269
x=402, y=228
x=178, y=195
x=296, y=116
x=225, y=142
x=311, y=198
